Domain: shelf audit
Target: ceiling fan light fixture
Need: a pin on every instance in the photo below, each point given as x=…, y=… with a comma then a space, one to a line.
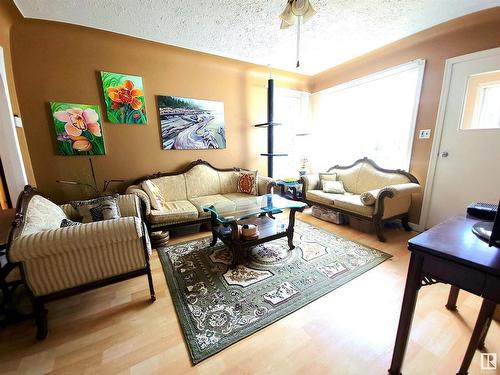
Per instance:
x=301, y=10
x=294, y=9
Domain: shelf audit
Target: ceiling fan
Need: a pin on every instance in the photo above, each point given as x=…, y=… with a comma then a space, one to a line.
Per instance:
x=301, y=10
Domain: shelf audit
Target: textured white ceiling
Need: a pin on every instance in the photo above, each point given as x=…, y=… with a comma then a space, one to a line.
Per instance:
x=248, y=30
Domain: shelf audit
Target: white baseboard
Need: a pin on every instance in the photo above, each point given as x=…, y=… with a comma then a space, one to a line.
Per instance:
x=416, y=227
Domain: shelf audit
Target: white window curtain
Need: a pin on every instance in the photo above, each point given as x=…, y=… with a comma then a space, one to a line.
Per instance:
x=373, y=116
x=291, y=110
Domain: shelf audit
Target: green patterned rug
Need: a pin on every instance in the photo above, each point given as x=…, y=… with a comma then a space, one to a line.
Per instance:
x=218, y=306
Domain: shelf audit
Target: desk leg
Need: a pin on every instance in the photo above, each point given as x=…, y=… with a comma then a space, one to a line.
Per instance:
x=479, y=334
x=452, y=298
x=407, y=309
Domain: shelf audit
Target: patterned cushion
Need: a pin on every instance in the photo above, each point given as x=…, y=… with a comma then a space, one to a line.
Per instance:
x=349, y=177
x=69, y=223
x=221, y=204
x=319, y=196
x=368, y=198
x=336, y=187
x=353, y=203
x=174, y=212
x=155, y=197
x=98, y=209
x=370, y=178
x=201, y=180
x=42, y=215
x=172, y=188
x=327, y=177
x=228, y=181
x=247, y=183
x=243, y=201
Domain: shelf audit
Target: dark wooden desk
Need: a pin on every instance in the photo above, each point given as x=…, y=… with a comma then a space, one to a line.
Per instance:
x=450, y=253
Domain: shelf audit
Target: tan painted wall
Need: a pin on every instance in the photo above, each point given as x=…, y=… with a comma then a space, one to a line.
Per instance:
x=9, y=15
x=474, y=32
x=55, y=61
x=60, y=62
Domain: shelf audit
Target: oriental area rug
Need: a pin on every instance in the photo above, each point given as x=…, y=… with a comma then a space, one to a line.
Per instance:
x=218, y=306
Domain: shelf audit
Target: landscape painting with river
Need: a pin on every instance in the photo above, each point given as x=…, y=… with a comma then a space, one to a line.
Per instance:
x=191, y=124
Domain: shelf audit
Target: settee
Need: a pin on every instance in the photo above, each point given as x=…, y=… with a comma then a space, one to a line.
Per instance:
x=180, y=197
x=57, y=261
x=371, y=193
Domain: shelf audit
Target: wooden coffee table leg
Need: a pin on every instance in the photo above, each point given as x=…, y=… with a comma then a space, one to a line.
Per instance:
x=235, y=248
x=289, y=231
x=214, y=237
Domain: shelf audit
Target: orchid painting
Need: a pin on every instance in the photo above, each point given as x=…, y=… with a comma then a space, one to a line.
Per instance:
x=78, y=129
x=124, y=98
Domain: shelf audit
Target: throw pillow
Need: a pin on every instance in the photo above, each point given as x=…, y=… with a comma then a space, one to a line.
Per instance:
x=247, y=183
x=69, y=223
x=336, y=187
x=367, y=198
x=154, y=194
x=41, y=215
x=327, y=177
x=98, y=209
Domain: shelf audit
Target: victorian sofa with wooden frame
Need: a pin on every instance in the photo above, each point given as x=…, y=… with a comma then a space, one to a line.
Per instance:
x=373, y=193
x=60, y=262
x=186, y=192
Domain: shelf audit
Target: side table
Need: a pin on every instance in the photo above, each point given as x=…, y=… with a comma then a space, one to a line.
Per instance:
x=10, y=278
x=290, y=189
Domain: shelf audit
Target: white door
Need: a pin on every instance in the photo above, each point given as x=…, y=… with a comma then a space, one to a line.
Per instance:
x=465, y=165
x=10, y=153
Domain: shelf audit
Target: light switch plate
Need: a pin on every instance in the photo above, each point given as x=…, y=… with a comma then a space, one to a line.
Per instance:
x=424, y=134
x=18, y=122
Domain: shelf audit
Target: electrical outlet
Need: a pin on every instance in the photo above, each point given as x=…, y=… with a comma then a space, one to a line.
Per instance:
x=424, y=134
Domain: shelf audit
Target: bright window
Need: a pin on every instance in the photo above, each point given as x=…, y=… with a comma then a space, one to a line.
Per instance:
x=373, y=116
x=291, y=110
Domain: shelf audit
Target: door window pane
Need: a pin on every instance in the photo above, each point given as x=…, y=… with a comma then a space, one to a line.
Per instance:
x=482, y=103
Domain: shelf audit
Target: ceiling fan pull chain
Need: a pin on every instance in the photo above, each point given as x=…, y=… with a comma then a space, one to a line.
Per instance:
x=299, y=19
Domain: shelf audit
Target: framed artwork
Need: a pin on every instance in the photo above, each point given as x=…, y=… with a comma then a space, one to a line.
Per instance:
x=78, y=129
x=191, y=124
x=124, y=98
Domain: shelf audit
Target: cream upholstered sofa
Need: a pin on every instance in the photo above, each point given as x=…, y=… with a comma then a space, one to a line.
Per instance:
x=56, y=262
x=372, y=193
x=184, y=194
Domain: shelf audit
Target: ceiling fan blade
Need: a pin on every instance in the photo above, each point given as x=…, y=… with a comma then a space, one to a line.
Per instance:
x=287, y=17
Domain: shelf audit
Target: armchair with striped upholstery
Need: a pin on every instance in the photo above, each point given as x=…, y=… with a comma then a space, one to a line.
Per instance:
x=57, y=262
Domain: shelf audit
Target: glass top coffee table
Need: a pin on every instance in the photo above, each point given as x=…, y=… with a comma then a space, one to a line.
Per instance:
x=259, y=212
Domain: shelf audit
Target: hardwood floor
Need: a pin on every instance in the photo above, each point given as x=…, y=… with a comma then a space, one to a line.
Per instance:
x=348, y=331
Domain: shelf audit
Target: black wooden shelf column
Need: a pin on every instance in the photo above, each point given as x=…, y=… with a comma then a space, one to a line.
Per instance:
x=270, y=124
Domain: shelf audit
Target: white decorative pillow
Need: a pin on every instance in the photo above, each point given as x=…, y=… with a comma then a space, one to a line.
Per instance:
x=41, y=215
x=157, y=200
x=336, y=187
x=368, y=198
x=247, y=183
x=327, y=177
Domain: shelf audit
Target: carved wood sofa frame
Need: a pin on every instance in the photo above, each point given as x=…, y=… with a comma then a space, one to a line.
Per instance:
x=190, y=166
x=38, y=302
x=377, y=217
